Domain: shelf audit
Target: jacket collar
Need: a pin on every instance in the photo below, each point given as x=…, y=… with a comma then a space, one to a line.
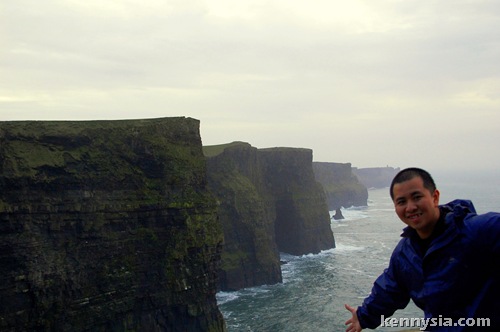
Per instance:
x=459, y=207
x=453, y=214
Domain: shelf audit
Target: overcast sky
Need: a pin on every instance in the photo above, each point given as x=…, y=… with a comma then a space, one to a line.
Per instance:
x=370, y=82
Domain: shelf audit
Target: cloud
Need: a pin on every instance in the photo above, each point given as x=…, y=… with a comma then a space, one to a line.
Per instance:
x=368, y=82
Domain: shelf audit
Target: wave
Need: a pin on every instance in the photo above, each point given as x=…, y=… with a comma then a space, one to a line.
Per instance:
x=224, y=297
x=390, y=209
x=290, y=272
x=340, y=248
x=228, y=296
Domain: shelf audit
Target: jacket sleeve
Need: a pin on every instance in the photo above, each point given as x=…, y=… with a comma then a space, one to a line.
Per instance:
x=487, y=232
x=387, y=296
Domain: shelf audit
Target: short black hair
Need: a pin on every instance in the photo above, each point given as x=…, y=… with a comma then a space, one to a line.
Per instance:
x=410, y=173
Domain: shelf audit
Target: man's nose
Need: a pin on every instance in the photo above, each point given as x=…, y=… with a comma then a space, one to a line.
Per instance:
x=410, y=205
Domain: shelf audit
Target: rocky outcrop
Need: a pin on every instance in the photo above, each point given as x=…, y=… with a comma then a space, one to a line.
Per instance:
x=338, y=215
x=107, y=226
x=376, y=177
x=269, y=202
x=342, y=188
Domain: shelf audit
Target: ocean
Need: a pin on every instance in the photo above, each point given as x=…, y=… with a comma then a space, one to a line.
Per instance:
x=315, y=287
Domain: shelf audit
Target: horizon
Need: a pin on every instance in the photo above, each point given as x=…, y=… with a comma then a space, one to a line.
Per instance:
x=451, y=172
x=398, y=83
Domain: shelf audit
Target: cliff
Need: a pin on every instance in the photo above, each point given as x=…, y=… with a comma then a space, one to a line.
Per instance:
x=107, y=226
x=250, y=255
x=342, y=188
x=376, y=177
x=269, y=202
x=302, y=222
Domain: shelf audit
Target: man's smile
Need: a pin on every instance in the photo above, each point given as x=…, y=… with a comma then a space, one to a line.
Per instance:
x=414, y=216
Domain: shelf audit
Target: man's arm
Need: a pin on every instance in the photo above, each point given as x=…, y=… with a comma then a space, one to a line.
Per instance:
x=388, y=294
x=487, y=229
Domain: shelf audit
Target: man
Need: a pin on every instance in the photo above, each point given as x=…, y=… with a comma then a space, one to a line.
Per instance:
x=447, y=262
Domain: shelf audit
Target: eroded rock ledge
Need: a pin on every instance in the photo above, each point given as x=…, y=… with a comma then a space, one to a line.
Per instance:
x=376, y=177
x=342, y=187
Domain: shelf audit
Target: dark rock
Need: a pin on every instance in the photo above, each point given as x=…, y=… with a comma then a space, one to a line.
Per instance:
x=341, y=186
x=269, y=202
x=250, y=255
x=338, y=215
x=107, y=226
x=376, y=177
x=302, y=224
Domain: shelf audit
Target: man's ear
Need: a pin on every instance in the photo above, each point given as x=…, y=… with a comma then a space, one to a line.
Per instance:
x=435, y=197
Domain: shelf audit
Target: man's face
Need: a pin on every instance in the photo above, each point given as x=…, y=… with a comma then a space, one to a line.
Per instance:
x=416, y=206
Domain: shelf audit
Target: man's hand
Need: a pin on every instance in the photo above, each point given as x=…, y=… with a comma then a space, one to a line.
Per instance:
x=353, y=322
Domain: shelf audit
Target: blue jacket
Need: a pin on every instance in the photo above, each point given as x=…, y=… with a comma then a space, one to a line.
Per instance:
x=457, y=277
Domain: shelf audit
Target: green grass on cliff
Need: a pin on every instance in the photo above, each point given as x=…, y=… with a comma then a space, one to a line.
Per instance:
x=140, y=156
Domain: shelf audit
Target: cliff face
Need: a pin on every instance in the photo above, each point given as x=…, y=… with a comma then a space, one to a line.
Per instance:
x=269, y=202
x=376, y=177
x=107, y=225
x=302, y=222
x=341, y=186
x=250, y=255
